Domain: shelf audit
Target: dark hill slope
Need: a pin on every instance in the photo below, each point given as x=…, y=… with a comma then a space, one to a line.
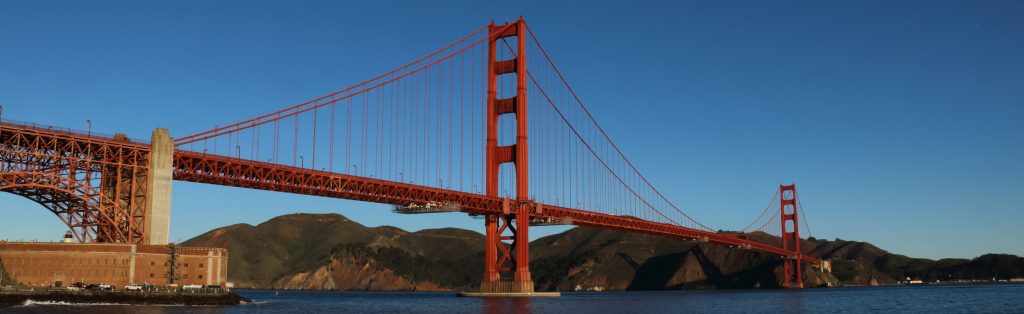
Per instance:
x=592, y=258
x=861, y=263
x=306, y=251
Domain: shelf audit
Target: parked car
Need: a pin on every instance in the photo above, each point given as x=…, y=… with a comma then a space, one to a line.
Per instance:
x=133, y=288
x=191, y=287
x=100, y=287
x=76, y=286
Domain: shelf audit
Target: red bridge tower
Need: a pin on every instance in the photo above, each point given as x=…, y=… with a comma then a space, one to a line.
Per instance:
x=792, y=272
x=516, y=214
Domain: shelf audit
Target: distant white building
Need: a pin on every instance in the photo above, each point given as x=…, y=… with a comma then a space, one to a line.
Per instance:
x=68, y=238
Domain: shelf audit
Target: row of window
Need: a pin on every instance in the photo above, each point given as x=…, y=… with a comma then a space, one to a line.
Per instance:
x=185, y=276
x=185, y=265
x=104, y=273
x=94, y=273
x=67, y=261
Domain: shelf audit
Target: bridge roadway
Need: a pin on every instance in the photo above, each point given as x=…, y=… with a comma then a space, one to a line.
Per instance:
x=228, y=171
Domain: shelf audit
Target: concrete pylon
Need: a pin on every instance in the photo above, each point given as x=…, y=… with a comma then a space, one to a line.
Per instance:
x=158, y=188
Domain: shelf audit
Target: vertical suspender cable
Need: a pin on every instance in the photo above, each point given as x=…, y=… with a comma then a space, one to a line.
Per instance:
x=330, y=160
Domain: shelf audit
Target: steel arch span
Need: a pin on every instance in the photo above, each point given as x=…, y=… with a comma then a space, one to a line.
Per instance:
x=77, y=205
x=95, y=186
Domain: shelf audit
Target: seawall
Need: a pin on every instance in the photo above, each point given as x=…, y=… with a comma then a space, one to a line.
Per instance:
x=14, y=298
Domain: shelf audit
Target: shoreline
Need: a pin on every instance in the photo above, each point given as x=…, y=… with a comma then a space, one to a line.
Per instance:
x=16, y=298
x=945, y=283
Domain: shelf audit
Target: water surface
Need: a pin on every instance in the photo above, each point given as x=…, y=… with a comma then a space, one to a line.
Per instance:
x=1003, y=298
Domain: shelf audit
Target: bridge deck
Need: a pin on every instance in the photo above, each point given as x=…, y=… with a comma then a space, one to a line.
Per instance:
x=213, y=169
x=220, y=170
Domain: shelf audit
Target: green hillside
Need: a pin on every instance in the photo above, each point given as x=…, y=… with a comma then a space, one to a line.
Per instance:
x=308, y=251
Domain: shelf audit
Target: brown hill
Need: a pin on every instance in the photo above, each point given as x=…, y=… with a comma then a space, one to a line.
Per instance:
x=601, y=259
x=307, y=251
x=861, y=263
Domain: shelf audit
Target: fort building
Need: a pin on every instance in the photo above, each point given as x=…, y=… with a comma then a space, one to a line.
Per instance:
x=40, y=264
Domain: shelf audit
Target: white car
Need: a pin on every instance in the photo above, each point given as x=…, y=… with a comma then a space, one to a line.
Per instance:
x=133, y=288
x=191, y=287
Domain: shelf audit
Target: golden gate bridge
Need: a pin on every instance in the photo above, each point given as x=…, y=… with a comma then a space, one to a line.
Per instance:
x=472, y=127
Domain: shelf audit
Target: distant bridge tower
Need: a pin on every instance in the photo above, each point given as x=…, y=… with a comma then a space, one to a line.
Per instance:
x=516, y=214
x=792, y=271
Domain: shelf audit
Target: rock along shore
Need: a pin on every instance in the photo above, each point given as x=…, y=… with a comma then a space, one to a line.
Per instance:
x=15, y=298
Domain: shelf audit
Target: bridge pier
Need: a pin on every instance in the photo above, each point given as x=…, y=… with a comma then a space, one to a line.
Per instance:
x=497, y=253
x=158, y=188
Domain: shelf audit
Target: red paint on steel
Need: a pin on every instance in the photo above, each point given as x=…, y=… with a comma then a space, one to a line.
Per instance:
x=227, y=171
x=515, y=154
x=792, y=271
x=91, y=183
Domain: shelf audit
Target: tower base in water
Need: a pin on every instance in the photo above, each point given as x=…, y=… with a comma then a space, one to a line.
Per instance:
x=509, y=294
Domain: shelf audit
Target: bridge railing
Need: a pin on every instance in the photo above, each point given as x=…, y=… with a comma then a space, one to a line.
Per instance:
x=66, y=131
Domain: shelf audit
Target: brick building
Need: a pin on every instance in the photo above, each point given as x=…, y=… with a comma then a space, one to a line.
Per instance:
x=60, y=264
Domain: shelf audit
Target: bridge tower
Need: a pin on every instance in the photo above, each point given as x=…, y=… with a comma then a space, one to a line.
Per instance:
x=792, y=272
x=515, y=214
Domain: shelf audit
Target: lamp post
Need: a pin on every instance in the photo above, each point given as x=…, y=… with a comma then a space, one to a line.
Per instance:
x=302, y=162
x=88, y=136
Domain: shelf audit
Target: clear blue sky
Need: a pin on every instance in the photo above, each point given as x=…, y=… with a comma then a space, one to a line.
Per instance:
x=902, y=122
